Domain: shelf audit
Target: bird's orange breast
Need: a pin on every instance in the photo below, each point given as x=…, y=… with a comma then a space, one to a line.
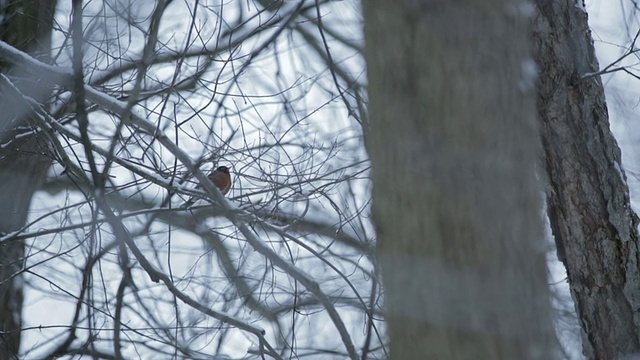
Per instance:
x=222, y=181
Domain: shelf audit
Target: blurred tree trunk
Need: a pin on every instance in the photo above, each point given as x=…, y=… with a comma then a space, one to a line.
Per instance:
x=24, y=161
x=453, y=144
x=588, y=200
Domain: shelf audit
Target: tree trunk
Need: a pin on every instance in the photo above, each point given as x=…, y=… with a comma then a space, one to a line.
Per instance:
x=24, y=160
x=588, y=199
x=453, y=144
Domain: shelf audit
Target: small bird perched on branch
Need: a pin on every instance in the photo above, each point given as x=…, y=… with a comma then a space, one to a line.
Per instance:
x=221, y=178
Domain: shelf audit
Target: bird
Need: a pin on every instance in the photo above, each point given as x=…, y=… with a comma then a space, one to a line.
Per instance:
x=220, y=177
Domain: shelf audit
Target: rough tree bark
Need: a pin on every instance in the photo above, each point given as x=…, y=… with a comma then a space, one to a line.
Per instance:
x=588, y=199
x=453, y=143
x=26, y=25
